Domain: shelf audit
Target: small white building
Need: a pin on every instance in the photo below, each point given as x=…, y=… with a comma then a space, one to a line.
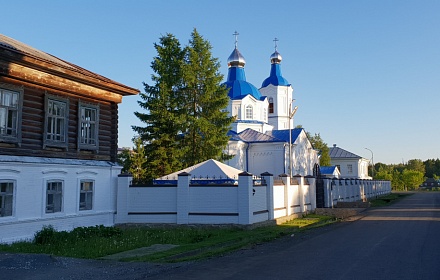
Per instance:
x=350, y=165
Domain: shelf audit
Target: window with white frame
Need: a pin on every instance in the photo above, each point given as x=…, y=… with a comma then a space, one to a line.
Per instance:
x=88, y=127
x=56, y=124
x=10, y=111
x=86, y=195
x=6, y=198
x=349, y=168
x=249, y=112
x=54, y=196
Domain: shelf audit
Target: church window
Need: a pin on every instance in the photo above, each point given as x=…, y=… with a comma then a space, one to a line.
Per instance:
x=265, y=115
x=249, y=112
x=271, y=105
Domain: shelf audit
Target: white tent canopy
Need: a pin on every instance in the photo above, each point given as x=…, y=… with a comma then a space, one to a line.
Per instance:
x=207, y=169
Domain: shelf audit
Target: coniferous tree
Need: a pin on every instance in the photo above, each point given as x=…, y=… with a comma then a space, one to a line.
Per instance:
x=185, y=120
x=138, y=161
x=206, y=98
x=165, y=116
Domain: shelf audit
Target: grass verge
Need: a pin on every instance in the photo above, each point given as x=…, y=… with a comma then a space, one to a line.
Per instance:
x=388, y=199
x=194, y=242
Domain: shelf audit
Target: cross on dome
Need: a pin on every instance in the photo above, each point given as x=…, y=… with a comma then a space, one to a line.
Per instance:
x=276, y=45
x=236, y=38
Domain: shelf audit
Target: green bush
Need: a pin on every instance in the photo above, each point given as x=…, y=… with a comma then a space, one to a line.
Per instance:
x=45, y=236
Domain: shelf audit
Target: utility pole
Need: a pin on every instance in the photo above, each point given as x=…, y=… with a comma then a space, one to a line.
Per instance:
x=372, y=163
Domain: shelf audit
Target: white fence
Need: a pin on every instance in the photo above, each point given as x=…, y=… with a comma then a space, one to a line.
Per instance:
x=245, y=201
x=351, y=190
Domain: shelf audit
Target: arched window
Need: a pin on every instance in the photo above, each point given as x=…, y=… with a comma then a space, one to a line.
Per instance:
x=270, y=105
x=249, y=112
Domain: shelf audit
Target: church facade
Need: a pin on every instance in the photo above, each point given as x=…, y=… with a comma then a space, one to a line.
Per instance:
x=262, y=137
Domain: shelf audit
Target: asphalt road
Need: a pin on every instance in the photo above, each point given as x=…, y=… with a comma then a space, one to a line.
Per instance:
x=398, y=242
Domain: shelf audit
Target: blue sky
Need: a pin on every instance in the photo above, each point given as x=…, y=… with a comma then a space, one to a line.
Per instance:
x=366, y=74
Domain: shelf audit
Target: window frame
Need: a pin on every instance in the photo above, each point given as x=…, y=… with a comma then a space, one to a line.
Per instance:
x=87, y=146
x=57, y=192
x=87, y=193
x=2, y=199
x=52, y=142
x=249, y=111
x=349, y=168
x=19, y=90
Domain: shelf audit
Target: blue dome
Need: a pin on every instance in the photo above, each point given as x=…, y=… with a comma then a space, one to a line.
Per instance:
x=275, y=77
x=238, y=87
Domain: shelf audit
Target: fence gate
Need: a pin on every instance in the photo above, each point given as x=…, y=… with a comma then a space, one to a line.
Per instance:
x=320, y=201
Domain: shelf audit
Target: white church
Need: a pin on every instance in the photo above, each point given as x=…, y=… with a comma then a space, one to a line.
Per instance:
x=263, y=138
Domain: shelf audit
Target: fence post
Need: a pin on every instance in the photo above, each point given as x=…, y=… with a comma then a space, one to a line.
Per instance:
x=245, y=191
x=287, y=201
x=184, y=179
x=269, y=194
x=300, y=181
x=124, y=181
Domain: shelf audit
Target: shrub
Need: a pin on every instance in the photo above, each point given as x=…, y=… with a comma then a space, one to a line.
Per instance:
x=45, y=236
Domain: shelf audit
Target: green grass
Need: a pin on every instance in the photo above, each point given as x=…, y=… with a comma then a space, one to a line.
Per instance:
x=388, y=199
x=194, y=242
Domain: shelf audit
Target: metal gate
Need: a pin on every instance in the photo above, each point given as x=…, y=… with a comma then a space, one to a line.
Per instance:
x=320, y=201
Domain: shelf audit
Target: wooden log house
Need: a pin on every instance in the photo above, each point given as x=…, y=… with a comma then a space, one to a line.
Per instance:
x=58, y=142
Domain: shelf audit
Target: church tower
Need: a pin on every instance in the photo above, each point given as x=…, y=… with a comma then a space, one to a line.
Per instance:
x=246, y=103
x=279, y=94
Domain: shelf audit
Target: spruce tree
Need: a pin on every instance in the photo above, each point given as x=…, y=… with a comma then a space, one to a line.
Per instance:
x=186, y=121
x=164, y=114
x=207, y=121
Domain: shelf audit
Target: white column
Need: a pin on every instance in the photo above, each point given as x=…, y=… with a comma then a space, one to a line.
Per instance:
x=245, y=187
x=184, y=179
x=124, y=181
x=269, y=194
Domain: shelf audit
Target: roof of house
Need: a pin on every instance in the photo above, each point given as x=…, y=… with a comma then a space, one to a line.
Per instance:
x=252, y=136
x=31, y=56
x=336, y=152
x=283, y=134
x=328, y=170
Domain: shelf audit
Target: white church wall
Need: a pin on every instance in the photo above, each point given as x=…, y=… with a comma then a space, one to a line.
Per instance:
x=266, y=157
x=237, y=149
x=29, y=196
x=304, y=156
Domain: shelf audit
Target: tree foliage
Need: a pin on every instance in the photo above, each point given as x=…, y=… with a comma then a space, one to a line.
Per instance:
x=183, y=107
x=207, y=123
x=407, y=176
x=319, y=144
